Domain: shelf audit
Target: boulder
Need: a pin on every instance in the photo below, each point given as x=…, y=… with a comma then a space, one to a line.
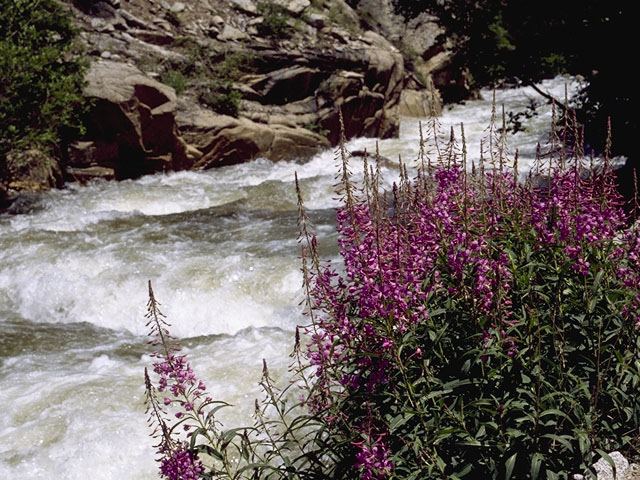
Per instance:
x=288, y=84
x=225, y=140
x=419, y=103
x=230, y=33
x=90, y=153
x=32, y=170
x=603, y=470
x=135, y=116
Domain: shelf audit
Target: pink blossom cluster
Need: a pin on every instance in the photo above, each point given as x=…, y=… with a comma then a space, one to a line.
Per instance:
x=371, y=459
x=180, y=464
x=447, y=235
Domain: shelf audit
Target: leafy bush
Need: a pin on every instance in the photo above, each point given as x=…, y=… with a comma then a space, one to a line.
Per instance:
x=483, y=327
x=221, y=98
x=40, y=78
x=210, y=74
x=175, y=79
x=276, y=21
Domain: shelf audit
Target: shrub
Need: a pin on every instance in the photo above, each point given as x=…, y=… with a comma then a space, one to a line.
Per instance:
x=40, y=77
x=276, y=21
x=174, y=79
x=482, y=327
x=221, y=98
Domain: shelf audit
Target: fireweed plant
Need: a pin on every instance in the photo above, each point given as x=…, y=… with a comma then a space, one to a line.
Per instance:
x=483, y=326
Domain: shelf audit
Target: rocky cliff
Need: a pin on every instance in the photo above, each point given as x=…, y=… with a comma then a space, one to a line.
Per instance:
x=205, y=83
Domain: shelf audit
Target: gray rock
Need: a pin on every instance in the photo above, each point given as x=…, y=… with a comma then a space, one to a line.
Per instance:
x=178, y=7
x=230, y=33
x=245, y=6
x=134, y=21
x=294, y=6
x=419, y=103
x=604, y=471
x=217, y=20
x=317, y=20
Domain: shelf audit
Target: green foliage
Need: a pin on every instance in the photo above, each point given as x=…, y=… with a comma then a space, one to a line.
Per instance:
x=211, y=74
x=221, y=98
x=175, y=79
x=41, y=78
x=276, y=20
x=316, y=128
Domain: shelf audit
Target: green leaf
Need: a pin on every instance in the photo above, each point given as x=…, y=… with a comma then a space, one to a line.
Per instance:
x=596, y=282
x=509, y=464
x=563, y=439
x=536, y=463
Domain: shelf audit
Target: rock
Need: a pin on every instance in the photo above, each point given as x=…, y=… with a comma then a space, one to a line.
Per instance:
x=633, y=473
x=421, y=34
x=217, y=20
x=84, y=175
x=225, y=140
x=295, y=143
x=288, y=84
x=155, y=37
x=294, y=6
x=103, y=10
x=245, y=5
x=603, y=470
x=317, y=20
x=91, y=153
x=32, y=170
x=134, y=21
x=230, y=33
x=136, y=113
x=178, y=7
x=345, y=15
x=419, y=103
x=4, y=197
x=294, y=89
x=378, y=15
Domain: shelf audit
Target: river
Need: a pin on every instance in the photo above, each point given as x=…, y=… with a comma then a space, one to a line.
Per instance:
x=220, y=248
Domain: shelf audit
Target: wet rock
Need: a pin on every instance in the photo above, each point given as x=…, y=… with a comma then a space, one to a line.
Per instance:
x=84, y=175
x=419, y=103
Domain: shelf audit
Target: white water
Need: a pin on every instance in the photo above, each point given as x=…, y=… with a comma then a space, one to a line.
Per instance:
x=220, y=248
